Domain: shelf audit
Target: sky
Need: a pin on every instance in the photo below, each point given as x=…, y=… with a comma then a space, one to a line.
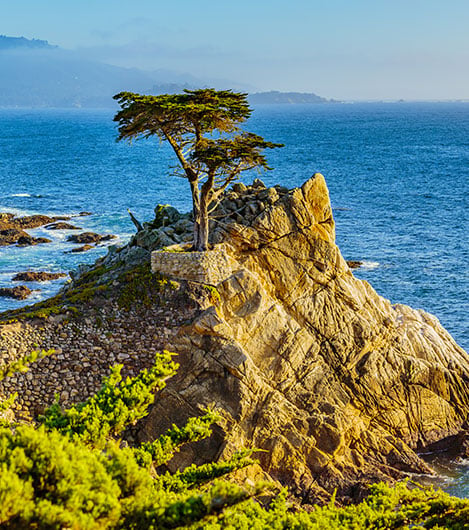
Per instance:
x=342, y=49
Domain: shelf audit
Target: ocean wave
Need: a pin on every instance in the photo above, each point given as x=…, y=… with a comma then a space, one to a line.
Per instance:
x=370, y=265
x=27, y=195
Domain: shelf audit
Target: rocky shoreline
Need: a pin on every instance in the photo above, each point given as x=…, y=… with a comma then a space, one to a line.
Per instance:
x=13, y=232
x=305, y=361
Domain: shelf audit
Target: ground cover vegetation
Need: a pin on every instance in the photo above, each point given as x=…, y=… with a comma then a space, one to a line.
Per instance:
x=202, y=128
x=72, y=469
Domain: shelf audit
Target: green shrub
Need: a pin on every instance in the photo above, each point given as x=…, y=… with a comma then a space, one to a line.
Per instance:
x=72, y=470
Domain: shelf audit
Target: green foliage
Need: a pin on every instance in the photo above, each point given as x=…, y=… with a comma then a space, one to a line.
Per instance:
x=194, y=475
x=213, y=294
x=202, y=128
x=117, y=405
x=21, y=365
x=71, y=471
x=163, y=448
x=143, y=287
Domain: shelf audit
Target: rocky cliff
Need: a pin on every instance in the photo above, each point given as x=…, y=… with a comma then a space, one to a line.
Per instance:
x=309, y=362
x=305, y=361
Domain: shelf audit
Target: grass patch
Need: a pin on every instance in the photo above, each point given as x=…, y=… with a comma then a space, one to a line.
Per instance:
x=142, y=287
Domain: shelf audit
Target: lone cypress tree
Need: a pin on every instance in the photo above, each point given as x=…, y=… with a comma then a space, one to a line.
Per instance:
x=202, y=127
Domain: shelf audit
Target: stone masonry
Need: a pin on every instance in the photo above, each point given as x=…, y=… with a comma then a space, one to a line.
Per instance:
x=210, y=267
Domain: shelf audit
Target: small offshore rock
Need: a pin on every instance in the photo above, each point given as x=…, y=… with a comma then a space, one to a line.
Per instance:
x=27, y=241
x=84, y=248
x=62, y=226
x=37, y=276
x=21, y=292
x=34, y=221
x=84, y=237
x=353, y=264
x=10, y=236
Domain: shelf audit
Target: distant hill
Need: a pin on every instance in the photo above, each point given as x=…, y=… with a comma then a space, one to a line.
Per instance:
x=9, y=43
x=35, y=73
x=288, y=98
x=54, y=78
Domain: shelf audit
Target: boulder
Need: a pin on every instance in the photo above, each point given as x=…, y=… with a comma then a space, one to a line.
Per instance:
x=165, y=215
x=27, y=240
x=83, y=248
x=10, y=236
x=33, y=221
x=354, y=264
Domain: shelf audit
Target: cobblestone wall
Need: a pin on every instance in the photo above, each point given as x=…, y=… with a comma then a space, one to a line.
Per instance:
x=85, y=346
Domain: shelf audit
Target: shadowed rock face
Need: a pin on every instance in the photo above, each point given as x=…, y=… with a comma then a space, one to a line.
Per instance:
x=310, y=363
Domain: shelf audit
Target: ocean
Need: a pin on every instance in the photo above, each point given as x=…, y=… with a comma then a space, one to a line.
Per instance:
x=397, y=173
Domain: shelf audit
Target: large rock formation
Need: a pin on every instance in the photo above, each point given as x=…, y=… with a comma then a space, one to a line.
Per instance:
x=306, y=361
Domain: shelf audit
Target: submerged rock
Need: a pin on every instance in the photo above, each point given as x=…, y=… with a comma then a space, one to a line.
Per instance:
x=83, y=248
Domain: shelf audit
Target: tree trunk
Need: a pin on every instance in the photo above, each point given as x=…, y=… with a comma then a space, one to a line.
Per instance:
x=201, y=226
x=202, y=233
x=195, y=212
x=201, y=204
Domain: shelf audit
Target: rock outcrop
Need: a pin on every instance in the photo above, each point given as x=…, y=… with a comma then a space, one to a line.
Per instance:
x=89, y=237
x=21, y=292
x=37, y=276
x=338, y=386
x=308, y=362
x=12, y=229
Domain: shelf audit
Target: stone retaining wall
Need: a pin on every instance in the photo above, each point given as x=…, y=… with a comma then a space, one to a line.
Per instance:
x=84, y=349
x=210, y=267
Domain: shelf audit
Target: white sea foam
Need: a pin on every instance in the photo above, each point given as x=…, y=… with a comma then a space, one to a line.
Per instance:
x=20, y=195
x=369, y=265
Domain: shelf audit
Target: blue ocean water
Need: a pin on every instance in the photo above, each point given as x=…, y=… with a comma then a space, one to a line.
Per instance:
x=397, y=173
x=398, y=177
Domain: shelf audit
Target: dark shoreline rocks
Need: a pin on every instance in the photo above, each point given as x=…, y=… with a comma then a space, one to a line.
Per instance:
x=89, y=237
x=12, y=229
x=84, y=248
x=27, y=241
x=37, y=276
x=10, y=236
x=62, y=226
x=20, y=292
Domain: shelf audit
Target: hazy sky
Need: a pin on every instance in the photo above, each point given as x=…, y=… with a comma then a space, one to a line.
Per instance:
x=345, y=49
